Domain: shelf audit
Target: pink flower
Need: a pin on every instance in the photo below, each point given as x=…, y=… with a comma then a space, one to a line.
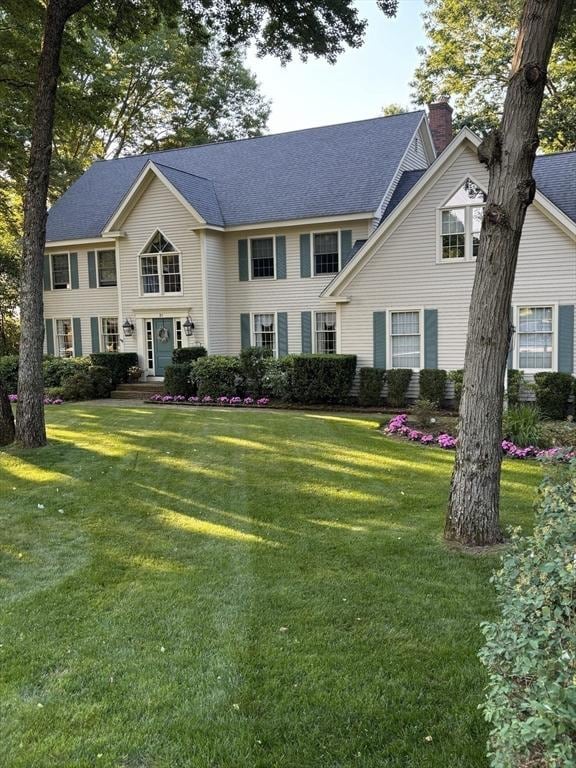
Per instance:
x=262, y=401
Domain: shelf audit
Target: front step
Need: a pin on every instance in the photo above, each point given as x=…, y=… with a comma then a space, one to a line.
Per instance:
x=137, y=391
x=118, y=395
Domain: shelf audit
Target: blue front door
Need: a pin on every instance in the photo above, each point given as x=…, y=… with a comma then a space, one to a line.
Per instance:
x=163, y=334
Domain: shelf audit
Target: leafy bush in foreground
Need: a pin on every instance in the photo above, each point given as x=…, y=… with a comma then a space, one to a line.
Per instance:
x=530, y=652
x=553, y=390
x=117, y=364
x=457, y=379
x=522, y=425
x=215, y=376
x=188, y=354
x=514, y=386
x=177, y=379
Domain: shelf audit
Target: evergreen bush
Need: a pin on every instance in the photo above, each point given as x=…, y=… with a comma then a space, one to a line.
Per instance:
x=457, y=379
x=216, y=376
x=553, y=390
x=371, y=383
x=433, y=385
x=398, y=380
x=177, y=379
x=514, y=388
x=188, y=354
x=322, y=378
x=117, y=363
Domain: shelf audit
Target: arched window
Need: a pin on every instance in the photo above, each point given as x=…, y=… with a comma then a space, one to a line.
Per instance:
x=160, y=267
x=460, y=223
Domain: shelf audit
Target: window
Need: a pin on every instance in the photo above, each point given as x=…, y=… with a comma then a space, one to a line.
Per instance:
x=64, y=338
x=535, y=332
x=326, y=333
x=160, y=260
x=264, y=331
x=106, y=268
x=326, y=253
x=60, y=271
x=110, y=334
x=405, y=339
x=460, y=223
x=262, y=257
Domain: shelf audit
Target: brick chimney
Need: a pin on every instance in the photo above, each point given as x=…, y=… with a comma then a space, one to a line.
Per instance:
x=440, y=118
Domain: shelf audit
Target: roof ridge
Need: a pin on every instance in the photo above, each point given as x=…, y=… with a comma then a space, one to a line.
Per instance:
x=556, y=154
x=180, y=170
x=265, y=136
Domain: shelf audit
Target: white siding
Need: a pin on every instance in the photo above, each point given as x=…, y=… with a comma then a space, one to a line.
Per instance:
x=216, y=293
x=83, y=302
x=402, y=272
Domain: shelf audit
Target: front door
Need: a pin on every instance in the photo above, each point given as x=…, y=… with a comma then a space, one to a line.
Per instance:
x=163, y=334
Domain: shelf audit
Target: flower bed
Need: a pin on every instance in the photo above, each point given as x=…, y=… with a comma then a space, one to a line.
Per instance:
x=234, y=402
x=399, y=426
x=47, y=400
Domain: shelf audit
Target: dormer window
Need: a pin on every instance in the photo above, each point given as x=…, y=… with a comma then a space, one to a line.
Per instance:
x=460, y=223
x=160, y=267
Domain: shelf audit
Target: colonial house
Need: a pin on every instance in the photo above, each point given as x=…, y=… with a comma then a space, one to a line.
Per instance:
x=355, y=238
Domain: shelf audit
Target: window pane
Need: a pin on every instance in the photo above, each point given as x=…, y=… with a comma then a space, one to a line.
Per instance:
x=535, y=337
x=468, y=193
x=326, y=332
x=405, y=322
x=264, y=335
x=534, y=319
x=171, y=273
x=150, y=279
x=110, y=334
x=159, y=244
x=262, y=257
x=405, y=333
x=60, y=271
x=64, y=338
x=326, y=253
x=476, y=216
x=106, y=268
x=453, y=237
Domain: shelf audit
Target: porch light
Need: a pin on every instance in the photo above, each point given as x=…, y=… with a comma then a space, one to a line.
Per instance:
x=128, y=327
x=188, y=326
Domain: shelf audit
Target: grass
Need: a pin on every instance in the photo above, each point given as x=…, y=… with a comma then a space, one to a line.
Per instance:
x=218, y=589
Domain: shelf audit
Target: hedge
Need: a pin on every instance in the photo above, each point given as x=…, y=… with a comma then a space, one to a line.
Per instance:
x=553, y=390
x=530, y=650
x=94, y=381
x=216, y=375
x=56, y=369
x=371, y=382
x=116, y=362
x=433, y=385
x=253, y=368
x=322, y=378
x=188, y=354
x=398, y=380
x=177, y=379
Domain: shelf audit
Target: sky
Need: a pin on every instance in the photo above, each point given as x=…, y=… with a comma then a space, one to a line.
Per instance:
x=363, y=80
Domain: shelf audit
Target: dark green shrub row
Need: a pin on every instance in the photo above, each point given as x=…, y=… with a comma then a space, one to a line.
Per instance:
x=92, y=381
x=371, y=383
x=188, y=354
x=322, y=378
x=215, y=375
x=432, y=385
x=117, y=364
x=398, y=380
x=177, y=379
x=529, y=650
x=553, y=392
x=55, y=369
x=254, y=363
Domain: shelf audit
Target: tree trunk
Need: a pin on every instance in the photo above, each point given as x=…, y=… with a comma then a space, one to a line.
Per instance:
x=6, y=418
x=30, y=425
x=473, y=509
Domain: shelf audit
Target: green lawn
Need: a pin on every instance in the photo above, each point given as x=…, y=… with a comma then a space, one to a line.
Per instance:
x=208, y=588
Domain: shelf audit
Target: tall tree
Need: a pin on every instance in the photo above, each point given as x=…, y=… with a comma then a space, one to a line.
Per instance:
x=509, y=152
x=470, y=45
x=316, y=27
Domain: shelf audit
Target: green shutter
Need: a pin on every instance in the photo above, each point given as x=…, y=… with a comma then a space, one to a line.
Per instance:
x=346, y=247
x=566, y=338
x=47, y=278
x=306, y=326
x=304, y=255
x=282, y=318
x=430, y=338
x=379, y=339
x=92, y=280
x=74, y=270
x=281, y=257
x=77, y=332
x=244, y=330
x=95, y=333
x=243, y=260
x=49, y=337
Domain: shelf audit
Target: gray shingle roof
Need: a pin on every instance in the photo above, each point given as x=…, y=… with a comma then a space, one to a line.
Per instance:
x=556, y=178
x=328, y=171
x=405, y=184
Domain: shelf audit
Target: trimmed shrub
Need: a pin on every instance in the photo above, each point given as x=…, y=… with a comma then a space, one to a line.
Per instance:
x=530, y=649
x=177, y=379
x=322, y=378
x=457, y=379
x=253, y=365
x=215, y=376
x=56, y=369
x=277, y=378
x=515, y=379
x=433, y=385
x=9, y=373
x=117, y=363
x=371, y=383
x=398, y=380
x=553, y=390
x=521, y=424
x=188, y=354
x=94, y=381
x=424, y=411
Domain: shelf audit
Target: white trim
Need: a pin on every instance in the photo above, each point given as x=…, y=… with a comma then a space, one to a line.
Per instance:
x=55, y=334
x=144, y=253
x=204, y=271
x=515, y=345
x=132, y=196
x=51, y=259
x=302, y=222
x=262, y=279
x=253, y=333
x=324, y=275
x=395, y=310
x=316, y=312
x=80, y=241
x=104, y=250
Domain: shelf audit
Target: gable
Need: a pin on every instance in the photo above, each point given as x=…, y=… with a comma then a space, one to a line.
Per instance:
x=153, y=205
